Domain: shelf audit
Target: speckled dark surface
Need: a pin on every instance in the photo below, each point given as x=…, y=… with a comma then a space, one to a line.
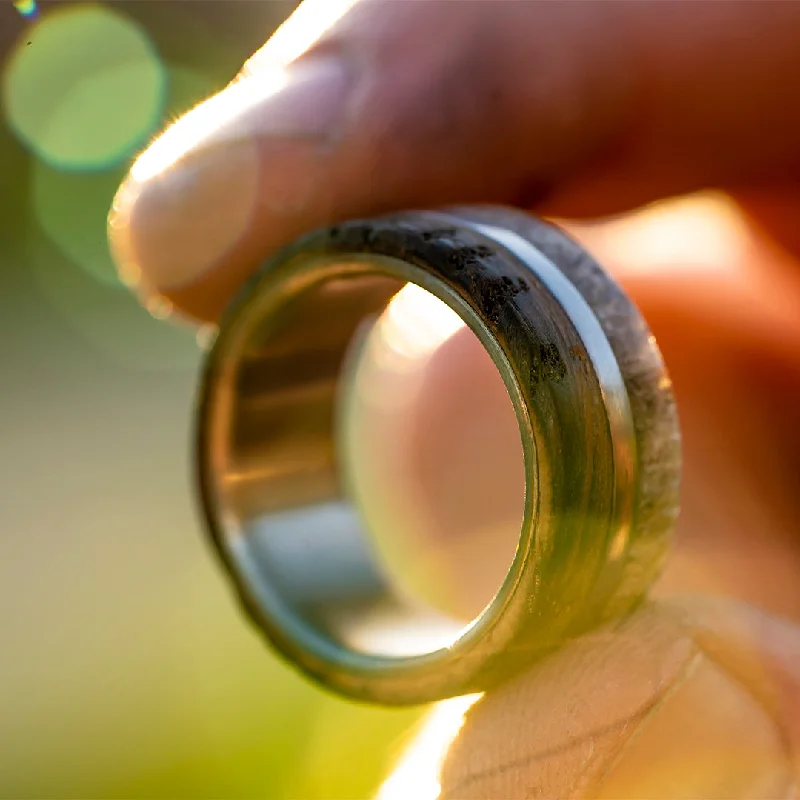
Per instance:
x=655, y=413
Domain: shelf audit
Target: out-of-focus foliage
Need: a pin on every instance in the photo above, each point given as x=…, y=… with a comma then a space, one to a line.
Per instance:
x=126, y=669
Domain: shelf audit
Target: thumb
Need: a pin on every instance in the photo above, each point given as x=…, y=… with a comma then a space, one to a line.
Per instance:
x=603, y=105
x=686, y=699
x=696, y=699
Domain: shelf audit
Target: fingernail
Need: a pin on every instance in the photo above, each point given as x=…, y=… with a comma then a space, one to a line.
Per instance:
x=191, y=200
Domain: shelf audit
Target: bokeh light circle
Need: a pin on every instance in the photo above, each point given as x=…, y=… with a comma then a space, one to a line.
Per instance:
x=72, y=265
x=88, y=92
x=72, y=208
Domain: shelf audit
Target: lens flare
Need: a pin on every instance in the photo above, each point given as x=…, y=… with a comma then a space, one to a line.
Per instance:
x=89, y=93
x=71, y=208
x=27, y=8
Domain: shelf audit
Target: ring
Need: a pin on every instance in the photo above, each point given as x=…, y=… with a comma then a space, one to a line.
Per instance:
x=597, y=420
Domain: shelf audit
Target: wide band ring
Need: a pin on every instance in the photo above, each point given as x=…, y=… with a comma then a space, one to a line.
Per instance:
x=597, y=420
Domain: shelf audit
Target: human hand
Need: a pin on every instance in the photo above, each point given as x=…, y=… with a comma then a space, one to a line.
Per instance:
x=575, y=110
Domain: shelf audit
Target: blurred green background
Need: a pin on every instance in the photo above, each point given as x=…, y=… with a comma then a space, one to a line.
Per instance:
x=126, y=670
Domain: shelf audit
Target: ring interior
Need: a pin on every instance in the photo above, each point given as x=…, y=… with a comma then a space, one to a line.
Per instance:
x=284, y=520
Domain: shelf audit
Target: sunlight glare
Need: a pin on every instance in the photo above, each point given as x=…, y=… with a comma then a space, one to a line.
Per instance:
x=307, y=24
x=201, y=122
x=417, y=773
x=291, y=39
x=701, y=230
x=416, y=323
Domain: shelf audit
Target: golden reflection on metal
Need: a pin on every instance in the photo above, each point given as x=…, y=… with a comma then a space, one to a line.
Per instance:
x=617, y=549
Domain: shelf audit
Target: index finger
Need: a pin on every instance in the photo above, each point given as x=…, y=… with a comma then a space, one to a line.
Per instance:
x=579, y=108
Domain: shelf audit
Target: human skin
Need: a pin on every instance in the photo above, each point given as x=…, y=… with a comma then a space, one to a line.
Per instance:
x=576, y=110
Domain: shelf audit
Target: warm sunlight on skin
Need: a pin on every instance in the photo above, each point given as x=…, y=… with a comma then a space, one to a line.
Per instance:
x=416, y=775
x=201, y=122
x=297, y=34
x=206, y=127
x=702, y=230
x=289, y=42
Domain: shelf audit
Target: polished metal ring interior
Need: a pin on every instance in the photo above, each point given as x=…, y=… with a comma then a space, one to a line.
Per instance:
x=597, y=420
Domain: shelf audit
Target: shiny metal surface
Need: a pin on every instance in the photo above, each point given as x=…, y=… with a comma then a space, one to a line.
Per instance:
x=596, y=416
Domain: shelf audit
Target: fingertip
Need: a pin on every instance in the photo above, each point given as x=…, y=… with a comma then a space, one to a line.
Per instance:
x=352, y=128
x=228, y=183
x=170, y=233
x=638, y=709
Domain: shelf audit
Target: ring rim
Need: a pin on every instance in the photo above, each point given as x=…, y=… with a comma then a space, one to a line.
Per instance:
x=496, y=644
